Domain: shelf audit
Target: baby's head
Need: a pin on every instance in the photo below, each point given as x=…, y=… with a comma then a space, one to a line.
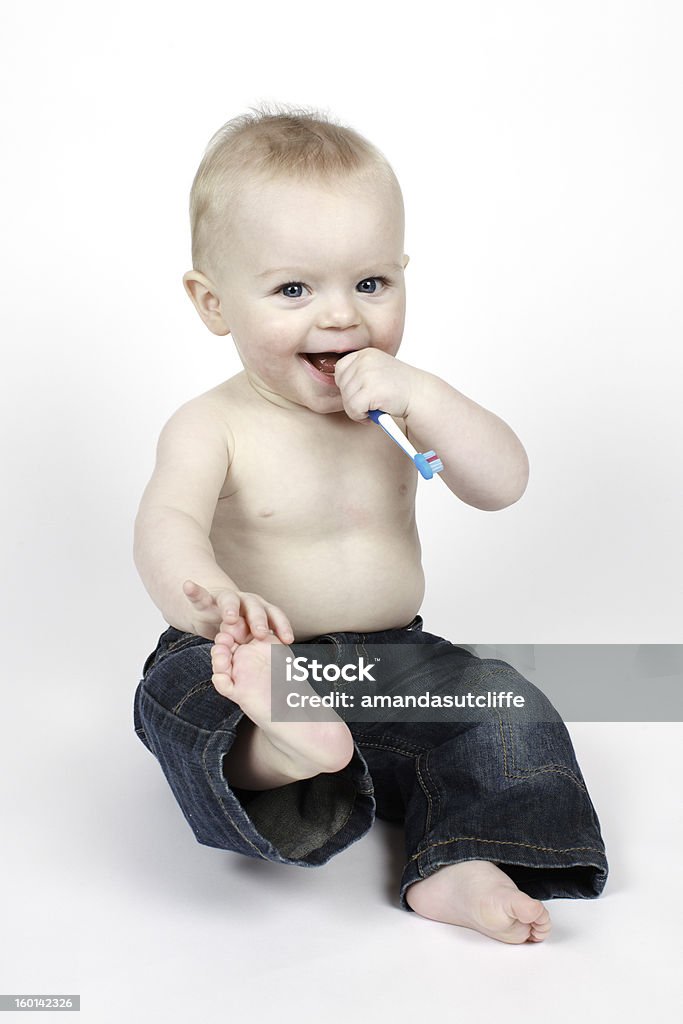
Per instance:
x=297, y=250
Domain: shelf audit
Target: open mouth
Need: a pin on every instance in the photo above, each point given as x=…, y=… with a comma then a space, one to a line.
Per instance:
x=325, y=362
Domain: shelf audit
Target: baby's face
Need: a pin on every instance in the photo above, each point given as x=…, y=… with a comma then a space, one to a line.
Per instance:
x=310, y=270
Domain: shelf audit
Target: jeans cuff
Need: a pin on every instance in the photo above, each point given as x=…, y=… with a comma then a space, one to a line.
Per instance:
x=304, y=823
x=544, y=873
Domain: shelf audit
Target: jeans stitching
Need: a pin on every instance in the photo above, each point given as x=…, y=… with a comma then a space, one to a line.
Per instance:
x=540, y=767
x=505, y=749
x=428, y=822
x=221, y=801
x=523, y=773
x=205, y=684
x=502, y=842
x=187, y=639
x=210, y=780
x=435, y=788
x=338, y=646
x=361, y=644
x=387, y=746
x=416, y=757
x=197, y=688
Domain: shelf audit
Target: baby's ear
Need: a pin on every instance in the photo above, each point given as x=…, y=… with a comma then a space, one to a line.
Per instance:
x=406, y=261
x=206, y=301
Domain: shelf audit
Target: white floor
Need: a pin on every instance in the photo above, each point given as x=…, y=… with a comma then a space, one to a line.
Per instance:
x=106, y=894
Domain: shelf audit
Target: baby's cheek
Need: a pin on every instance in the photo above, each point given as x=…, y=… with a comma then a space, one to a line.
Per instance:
x=269, y=339
x=391, y=337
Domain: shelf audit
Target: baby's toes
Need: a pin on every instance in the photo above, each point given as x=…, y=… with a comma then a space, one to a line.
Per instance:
x=225, y=639
x=541, y=927
x=238, y=631
x=221, y=669
x=532, y=917
x=221, y=658
x=525, y=908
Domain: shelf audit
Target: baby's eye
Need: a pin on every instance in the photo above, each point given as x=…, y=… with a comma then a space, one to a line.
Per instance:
x=371, y=281
x=289, y=294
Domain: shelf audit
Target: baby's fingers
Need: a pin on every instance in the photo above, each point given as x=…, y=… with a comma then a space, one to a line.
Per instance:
x=229, y=604
x=238, y=631
x=254, y=613
x=280, y=623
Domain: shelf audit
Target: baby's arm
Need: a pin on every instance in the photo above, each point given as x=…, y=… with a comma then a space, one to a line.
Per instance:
x=485, y=463
x=172, y=550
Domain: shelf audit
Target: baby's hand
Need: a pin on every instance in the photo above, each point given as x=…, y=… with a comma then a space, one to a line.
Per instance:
x=244, y=616
x=372, y=379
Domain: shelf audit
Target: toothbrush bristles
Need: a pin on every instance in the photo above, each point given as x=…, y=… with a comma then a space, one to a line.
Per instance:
x=435, y=463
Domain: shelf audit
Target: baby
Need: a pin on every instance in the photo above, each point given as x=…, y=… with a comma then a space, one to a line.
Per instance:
x=278, y=513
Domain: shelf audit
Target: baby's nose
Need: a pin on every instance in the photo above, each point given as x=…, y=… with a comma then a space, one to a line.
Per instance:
x=340, y=313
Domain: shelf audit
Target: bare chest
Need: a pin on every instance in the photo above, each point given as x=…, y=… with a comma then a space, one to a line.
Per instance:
x=339, y=478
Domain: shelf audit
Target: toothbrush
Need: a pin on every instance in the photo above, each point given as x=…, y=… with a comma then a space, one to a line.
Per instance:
x=428, y=463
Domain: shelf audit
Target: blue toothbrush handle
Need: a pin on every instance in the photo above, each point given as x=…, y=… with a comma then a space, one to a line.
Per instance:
x=426, y=463
x=424, y=469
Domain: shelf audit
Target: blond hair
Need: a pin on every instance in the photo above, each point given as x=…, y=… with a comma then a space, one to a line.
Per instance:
x=273, y=142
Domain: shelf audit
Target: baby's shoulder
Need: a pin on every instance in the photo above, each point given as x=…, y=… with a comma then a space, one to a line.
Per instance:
x=211, y=413
x=233, y=399
x=230, y=393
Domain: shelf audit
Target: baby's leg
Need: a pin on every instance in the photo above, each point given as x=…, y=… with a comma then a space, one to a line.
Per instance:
x=269, y=754
x=497, y=813
x=476, y=894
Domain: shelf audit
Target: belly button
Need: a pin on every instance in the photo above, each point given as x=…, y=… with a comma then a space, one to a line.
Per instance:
x=403, y=489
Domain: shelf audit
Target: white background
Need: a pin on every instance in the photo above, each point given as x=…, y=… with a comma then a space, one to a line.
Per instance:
x=539, y=150
x=538, y=145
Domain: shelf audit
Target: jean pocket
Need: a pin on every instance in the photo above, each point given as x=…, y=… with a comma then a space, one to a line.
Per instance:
x=171, y=642
x=534, y=740
x=539, y=748
x=180, y=643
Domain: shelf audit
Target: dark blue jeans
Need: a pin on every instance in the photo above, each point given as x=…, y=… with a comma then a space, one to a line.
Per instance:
x=504, y=788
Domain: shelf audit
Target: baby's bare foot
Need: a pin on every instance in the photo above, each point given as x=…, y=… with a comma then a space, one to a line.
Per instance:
x=298, y=749
x=477, y=894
